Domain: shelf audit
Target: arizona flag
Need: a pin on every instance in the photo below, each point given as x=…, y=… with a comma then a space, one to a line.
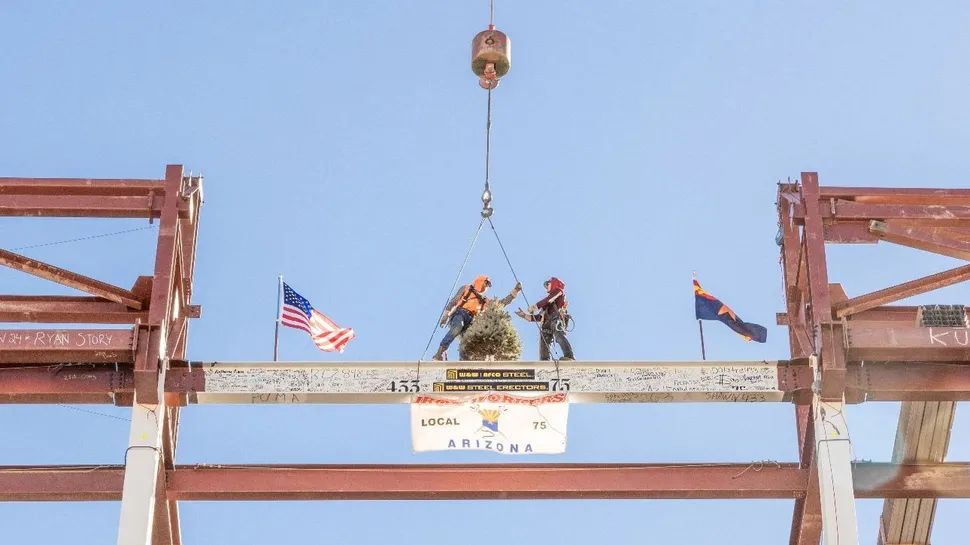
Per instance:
x=708, y=307
x=297, y=312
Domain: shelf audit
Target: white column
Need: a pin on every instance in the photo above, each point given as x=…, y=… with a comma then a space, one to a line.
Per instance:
x=142, y=461
x=833, y=452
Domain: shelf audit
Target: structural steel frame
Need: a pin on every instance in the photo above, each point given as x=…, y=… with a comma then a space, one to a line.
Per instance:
x=843, y=350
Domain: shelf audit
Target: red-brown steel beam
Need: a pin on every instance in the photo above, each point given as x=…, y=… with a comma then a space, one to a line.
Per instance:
x=70, y=279
x=887, y=480
x=939, y=240
x=81, y=187
x=680, y=481
x=39, y=346
x=57, y=309
x=939, y=215
x=897, y=195
x=902, y=291
x=827, y=334
x=65, y=398
x=806, y=527
x=898, y=342
x=482, y=481
x=84, y=206
x=65, y=380
x=834, y=210
x=909, y=382
x=849, y=232
x=61, y=483
x=165, y=286
x=900, y=313
x=895, y=313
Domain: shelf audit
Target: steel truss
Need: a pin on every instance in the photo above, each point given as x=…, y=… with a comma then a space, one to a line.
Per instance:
x=843, y=350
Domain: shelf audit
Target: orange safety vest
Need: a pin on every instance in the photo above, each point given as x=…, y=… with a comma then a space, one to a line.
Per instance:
x=471, y=298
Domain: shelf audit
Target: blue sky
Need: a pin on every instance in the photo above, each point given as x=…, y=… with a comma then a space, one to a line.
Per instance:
x=342, y=144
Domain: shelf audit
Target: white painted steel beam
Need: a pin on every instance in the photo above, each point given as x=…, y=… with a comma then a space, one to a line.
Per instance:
x=396, y=382
x=833, y=451
x=142, y=469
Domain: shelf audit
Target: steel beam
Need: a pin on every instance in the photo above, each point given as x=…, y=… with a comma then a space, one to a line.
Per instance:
x=39, y=346
x=143, y=469
x=909, y=382
x=65, y=380
x=897, y=342
x=922, y=436
x=396, y=382
x=902, y=291
x=84, y=206
x=896, y=195
x=70, y=279
x=756, y=480
x=54, y=309
x=81, y=187
x=102, y=383
x=806, y=527
x=955, y=215
x=939, y=240
x=833, y=453
x=61, y=483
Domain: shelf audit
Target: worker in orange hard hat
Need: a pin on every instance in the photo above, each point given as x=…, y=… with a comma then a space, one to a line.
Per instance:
x=462, y=309
x=552, y=313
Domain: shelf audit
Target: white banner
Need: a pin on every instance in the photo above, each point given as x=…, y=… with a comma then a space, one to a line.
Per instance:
x=502, y=423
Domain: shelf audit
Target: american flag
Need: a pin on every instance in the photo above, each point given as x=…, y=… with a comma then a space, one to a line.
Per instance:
x=298, y=313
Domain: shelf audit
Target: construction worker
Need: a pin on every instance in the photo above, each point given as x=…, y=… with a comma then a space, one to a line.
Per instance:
x=551, y=313
x=462, y=309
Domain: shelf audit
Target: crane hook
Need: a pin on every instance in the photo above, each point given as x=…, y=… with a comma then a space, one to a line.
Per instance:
x=487, y=203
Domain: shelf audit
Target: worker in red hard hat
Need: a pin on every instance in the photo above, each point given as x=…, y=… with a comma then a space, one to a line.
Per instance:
x=552, y=313
x=462, y=309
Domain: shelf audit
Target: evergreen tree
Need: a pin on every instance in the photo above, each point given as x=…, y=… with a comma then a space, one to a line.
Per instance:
x=491, y=337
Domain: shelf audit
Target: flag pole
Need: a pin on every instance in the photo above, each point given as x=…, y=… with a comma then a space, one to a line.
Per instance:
x=700, y=325
x=279, y=318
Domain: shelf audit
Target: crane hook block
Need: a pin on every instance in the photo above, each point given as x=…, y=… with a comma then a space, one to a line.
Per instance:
x=491, y=56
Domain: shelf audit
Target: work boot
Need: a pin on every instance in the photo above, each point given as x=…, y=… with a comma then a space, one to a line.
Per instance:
x=441, y=354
